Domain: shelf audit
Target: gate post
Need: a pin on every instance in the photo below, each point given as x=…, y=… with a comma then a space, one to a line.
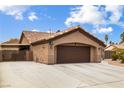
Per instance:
x=1, y=58
x=29, y=55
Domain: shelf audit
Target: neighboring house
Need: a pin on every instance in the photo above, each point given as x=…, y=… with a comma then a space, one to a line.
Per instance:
x=70, y=46
x=111, y=49
x=122, y=44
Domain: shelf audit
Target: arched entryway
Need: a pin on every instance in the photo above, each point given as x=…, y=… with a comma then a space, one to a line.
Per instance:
x=73, y=53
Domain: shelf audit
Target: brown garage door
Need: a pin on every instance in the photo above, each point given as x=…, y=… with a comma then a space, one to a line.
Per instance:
x=73, y=54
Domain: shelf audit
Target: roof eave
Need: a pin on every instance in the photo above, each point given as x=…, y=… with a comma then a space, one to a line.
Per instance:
x=71, y=31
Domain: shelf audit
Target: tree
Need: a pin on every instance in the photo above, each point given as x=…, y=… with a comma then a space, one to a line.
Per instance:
x=110, y=42
x=113, y=43
x=122, y=37
x=106, y=38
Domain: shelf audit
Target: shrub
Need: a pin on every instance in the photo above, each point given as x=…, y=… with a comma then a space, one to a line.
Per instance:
x=115, y=57
x=121, y=57
x=120, y=54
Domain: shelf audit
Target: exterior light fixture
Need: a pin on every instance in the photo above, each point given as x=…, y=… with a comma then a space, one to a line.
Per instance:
x=51, y=44
x=99, y=47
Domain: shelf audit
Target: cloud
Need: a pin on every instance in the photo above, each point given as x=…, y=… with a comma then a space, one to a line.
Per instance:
x=15, y=11
x=99, y=17
x=116, y=13
x=35, y=30
x=102, y=29
x=85, y=14
x=105, y=30
x=32, y=16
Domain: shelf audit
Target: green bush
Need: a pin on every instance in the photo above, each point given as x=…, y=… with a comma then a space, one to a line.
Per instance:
x=115, y=57
x=119, y=55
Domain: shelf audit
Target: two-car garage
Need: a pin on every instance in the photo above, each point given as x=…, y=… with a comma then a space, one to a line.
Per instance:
x=73, y=54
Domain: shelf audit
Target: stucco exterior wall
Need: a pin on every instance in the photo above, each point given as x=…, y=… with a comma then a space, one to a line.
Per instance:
x=24, y=40
x=93, y=54
x=75, y=37
x=40, y=53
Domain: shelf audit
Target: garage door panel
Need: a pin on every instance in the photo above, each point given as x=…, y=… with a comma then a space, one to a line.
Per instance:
x=73, y=54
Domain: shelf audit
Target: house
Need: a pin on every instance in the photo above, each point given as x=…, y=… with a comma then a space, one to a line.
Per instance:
x=73, y=45
x=111, y=49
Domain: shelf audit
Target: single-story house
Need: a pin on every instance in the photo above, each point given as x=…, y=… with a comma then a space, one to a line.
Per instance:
x=70, y=46
x=111, y=49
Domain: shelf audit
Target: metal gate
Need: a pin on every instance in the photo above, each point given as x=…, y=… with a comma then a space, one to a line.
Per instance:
x=108, y=54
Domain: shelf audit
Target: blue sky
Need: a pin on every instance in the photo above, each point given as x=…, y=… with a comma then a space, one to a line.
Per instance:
x=97, y=20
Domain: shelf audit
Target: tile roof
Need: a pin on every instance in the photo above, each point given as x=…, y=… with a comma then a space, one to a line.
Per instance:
x=34, y=37
x=37, y=36
x=11, y=41
x=120, y=46
x=112, y=47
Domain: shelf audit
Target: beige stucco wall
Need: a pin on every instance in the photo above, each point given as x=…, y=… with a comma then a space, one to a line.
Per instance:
x=75, y=37
x=93, y=54
x=40, y=53
x=24, y=40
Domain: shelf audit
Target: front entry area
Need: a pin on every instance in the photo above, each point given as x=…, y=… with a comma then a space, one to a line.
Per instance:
x=73, y=54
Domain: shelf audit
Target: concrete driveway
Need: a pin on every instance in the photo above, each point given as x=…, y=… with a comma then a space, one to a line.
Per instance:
x=31, y=74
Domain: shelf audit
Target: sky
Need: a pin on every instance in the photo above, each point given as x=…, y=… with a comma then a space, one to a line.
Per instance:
x=95, y=19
